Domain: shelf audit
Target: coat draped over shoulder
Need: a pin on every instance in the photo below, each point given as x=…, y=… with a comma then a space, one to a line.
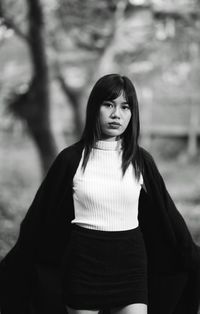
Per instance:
x=30, y=274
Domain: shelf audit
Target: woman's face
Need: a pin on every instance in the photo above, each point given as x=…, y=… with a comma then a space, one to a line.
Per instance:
x=114, y=117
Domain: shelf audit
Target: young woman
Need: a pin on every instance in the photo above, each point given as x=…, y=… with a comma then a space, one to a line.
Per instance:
x=102, y=233
x=107, y=259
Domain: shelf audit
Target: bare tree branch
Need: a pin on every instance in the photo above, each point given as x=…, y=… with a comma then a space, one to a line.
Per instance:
x=106, y=60
x=71, y=93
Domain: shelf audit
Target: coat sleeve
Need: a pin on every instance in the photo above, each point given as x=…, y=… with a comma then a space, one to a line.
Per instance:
x=16, y=267
x=47, y=194
x=188, y=249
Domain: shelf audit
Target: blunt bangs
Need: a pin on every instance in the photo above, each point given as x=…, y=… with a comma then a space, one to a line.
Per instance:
x=112, y=86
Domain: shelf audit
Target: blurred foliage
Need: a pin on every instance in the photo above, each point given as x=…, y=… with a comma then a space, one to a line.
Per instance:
x=155, y=42
x=77, y=30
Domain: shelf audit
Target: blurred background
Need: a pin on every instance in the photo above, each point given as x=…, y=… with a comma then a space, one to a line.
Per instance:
x=51, y=54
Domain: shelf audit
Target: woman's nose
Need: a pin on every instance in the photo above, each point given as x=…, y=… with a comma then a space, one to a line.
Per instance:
x=115, y=112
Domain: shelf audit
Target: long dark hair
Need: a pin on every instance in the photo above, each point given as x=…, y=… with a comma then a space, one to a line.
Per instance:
x=110, y=87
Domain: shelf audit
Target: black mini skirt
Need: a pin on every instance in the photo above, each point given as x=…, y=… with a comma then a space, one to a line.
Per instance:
x=104, y=269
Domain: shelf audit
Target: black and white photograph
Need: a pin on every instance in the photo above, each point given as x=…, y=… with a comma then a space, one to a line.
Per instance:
x=100, y=157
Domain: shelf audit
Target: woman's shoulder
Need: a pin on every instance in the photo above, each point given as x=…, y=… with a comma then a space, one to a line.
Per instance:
x=150, y=167
x=72, y=148
x=146, y=155
x=65, y=159
x=70, y=151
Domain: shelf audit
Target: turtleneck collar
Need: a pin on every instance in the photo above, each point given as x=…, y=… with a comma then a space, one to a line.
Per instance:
x=109, y=145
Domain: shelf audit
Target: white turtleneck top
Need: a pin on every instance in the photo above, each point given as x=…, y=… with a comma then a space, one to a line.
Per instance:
x=103, y=199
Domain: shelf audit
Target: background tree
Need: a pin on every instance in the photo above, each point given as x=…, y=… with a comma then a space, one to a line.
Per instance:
x=85, y=40
x=92, y=28
x=33, y=105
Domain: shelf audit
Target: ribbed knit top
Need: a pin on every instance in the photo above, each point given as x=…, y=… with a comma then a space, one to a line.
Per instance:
x=103, y=199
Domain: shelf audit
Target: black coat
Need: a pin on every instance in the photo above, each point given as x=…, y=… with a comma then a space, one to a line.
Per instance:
x=30, y=274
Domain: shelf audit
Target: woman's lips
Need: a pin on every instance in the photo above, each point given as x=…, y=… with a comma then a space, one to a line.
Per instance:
x=114, y=125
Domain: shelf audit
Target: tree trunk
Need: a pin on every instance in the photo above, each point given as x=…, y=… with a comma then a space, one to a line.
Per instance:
x=74, y=96
x=38, y=115
x=42, y=137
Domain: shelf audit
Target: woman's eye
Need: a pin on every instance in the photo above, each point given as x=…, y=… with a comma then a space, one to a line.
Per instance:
x=126, y=107
x=107, y=104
